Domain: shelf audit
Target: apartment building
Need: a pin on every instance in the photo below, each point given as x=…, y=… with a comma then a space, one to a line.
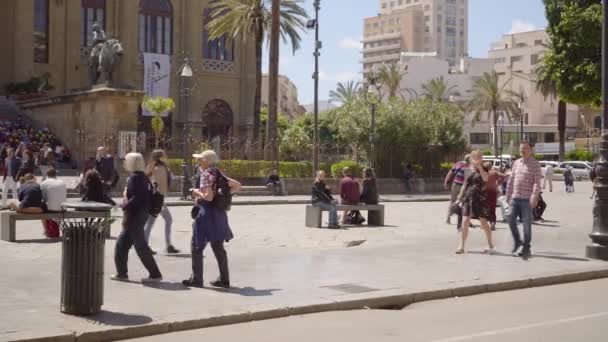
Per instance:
x=445, y=25
x=288, y=97
x=387, y=35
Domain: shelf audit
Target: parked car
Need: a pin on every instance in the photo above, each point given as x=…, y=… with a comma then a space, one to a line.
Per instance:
x=580, y=169
x=544, y=163
x=496, y=163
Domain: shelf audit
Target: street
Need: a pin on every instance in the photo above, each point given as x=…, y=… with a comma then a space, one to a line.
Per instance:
x=570, y=312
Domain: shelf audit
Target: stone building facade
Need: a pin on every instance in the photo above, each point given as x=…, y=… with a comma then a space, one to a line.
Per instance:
x=51, y=36
x=288, y=97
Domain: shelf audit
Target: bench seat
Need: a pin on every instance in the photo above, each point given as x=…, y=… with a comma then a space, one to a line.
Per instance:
x=375, y=213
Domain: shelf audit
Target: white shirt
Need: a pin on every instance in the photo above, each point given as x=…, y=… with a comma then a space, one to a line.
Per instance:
x=549, y=170
x=54, y=192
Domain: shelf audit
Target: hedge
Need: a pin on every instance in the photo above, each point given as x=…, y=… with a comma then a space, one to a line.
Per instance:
x=579, y=155
x=356, y=168
x=256, y=168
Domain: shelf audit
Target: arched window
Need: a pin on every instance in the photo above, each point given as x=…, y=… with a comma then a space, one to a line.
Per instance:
x=91, y=11
x=41, y=31
x=216, y=49
x=156, y=26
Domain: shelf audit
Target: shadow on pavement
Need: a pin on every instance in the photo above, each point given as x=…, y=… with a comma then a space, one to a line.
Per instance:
x=44, y=241
x=119, y=319
x=534, y=255
x=167, y=286
x=245, y=291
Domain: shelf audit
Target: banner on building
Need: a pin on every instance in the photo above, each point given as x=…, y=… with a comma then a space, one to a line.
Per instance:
x=157, y=77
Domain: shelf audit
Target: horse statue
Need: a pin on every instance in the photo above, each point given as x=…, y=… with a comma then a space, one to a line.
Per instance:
x=104, y=60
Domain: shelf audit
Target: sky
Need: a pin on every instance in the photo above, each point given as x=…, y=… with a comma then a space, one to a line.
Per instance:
x=341, y=30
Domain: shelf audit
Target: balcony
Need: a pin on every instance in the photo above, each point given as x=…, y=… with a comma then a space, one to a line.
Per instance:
x=380, y=37
x=383, y=58
x=395, y=46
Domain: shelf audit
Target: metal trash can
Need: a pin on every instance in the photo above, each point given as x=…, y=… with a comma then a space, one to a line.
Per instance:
x=82, y=265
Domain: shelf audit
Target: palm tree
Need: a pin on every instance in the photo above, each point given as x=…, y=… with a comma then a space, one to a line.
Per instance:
x=548, y=88
x=157, y=106
x=390, y=77
x=345, y=93
x=246, y=19
x=492, y=98
x=273, y=82
x=437, y=89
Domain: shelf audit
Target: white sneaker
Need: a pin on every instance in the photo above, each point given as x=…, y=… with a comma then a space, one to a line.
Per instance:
x=490, y=250
x=150, y=280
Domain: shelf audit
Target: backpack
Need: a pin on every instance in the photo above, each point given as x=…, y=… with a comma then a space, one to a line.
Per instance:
x=354, y=217
x=156, y=200
x=223, y=197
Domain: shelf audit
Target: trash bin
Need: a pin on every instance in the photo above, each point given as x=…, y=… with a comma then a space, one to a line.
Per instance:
x=82, y=265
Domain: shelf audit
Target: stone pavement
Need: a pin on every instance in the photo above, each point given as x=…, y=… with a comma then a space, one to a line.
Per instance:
x=279, y=268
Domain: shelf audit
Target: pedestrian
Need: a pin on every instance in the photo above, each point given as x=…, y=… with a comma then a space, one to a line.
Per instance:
x=30, y=197
x=474, y=199
x=136, y=207
x=273, y=183
x=349, y=194
x=27, y=164
x=523, y=193
x=540, y=208
x=592, y=177
x=12, y=164
x=104, y=164
x=321, y=197
x=569, y=179
x=495, y=181
x=548, y=177
x=211, y=223
x=453, y=182
x=161, y=178
x=369, y=194
x=408, y=174
x=54, y=193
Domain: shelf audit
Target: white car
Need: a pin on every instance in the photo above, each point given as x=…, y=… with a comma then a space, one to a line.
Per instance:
x=580, y=169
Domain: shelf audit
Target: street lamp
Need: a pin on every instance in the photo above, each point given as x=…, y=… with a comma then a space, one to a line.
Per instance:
x=185, y=73
x=372, y=97
x=587, y=123
x=521, y=105
x=314, y=24
x=599, y=235
x=501, y=126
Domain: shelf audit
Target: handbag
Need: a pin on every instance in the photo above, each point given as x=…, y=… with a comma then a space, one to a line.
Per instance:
x=195, y=211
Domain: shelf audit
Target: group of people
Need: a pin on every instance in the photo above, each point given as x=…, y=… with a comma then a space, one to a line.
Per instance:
x=352, y=191
x=474, y=196
x=210, y=220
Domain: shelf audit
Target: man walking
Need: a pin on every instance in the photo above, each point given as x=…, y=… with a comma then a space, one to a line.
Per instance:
x=104, y=164
x=548, y=177
x=11, y=167
x=454, y=181
x=523, y=193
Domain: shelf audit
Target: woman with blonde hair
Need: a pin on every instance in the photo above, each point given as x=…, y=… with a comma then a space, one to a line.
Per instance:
x=136, y=207
x=211, y=222
x=474, y=199
x=161, y=178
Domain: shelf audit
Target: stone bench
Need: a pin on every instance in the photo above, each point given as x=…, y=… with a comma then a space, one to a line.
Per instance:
x=375, y=214
x=8, y=220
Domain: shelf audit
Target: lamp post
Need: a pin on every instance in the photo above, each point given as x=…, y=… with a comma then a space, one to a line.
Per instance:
x=501, y=126
x=372, y=98
x=521, y=106
x=185, y=73
x=587, y=124
x=598, y=249
x=314, y=24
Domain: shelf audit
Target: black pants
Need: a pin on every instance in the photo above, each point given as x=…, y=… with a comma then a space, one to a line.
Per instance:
x=220, y=255
x=132, y=234
x=540, y=209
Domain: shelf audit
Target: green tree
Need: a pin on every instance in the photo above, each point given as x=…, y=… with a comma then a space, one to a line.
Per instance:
x=295, y=144
x=247, y=19
x=548, y=88
x=158, y=105
x=345, y=92
x=437, y=89
x=390, y=78
x=492, y=98
x=573, y=60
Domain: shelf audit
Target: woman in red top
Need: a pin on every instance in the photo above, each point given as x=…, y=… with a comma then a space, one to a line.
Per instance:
x=495, y=179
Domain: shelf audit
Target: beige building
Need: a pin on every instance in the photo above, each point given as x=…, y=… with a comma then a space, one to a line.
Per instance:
x=288, y=97
x=52, y=36
x=387, y=35
x=445, y=25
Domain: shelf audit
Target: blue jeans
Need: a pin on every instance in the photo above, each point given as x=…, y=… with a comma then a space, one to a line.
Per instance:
x=333, y=212
x=520, y=207
x=166, y=215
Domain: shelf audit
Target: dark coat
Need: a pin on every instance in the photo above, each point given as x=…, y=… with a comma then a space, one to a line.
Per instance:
x=320, y=193
x=138, y=193
x=27, y=167
x=15, y=166
x=369, y=195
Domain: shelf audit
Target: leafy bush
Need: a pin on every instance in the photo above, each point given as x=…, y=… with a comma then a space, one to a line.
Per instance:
x=336, y=169
x=580, y=155
x=487, y=152
x=255, y=168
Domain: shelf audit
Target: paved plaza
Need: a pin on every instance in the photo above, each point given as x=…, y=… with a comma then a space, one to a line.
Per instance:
x=279, y=267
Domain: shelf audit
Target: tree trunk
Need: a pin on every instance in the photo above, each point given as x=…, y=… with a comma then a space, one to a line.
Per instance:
x=561, y=127
x=496, y=133
x=257, y=102
x=273, y=81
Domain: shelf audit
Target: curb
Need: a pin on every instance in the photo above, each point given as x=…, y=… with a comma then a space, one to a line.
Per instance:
x=179, y=203
x=392, y=299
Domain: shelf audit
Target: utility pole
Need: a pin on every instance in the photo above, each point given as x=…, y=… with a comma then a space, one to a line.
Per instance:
x=317, y=53
x=273, y=81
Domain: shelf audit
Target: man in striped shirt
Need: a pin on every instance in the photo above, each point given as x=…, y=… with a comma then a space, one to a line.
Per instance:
x=454, y=181
x=523, y=192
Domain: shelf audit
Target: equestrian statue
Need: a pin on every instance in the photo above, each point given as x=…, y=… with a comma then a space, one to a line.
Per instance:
x=105, y=56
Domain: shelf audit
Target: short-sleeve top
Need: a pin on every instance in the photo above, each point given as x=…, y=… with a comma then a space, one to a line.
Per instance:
x=208, y=178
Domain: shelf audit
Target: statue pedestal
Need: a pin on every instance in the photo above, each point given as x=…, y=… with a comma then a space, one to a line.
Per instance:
x=86, y=120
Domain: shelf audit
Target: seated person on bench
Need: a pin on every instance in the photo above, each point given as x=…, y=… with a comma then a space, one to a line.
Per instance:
x=321, y=197
x=349, y=193
x=30, y=197
x=54, y=193
x=273, y=183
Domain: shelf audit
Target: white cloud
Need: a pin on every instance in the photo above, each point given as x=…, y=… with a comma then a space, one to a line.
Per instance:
x=337, y=77
x=351, y=43
x=522, y=26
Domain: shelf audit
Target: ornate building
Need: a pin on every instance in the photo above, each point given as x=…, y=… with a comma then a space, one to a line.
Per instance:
x=53, y=36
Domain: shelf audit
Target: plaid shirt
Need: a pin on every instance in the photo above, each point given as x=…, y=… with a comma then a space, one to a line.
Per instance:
x=524, y=182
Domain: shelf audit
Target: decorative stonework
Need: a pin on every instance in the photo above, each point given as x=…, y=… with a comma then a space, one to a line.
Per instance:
x=210, y=65
x=85, y=52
